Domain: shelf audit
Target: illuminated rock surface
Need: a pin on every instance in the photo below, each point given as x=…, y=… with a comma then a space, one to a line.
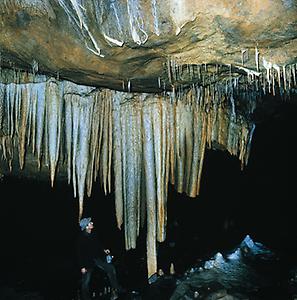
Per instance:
x=130, y=94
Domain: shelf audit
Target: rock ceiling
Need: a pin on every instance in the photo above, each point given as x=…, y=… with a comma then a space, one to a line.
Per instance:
x=131, y=93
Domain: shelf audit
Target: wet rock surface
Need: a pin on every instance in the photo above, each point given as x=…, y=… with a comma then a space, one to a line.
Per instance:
x=250, y=271
x=116, y=43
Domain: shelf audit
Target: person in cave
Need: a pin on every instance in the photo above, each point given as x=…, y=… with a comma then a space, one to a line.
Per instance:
x=91, y=255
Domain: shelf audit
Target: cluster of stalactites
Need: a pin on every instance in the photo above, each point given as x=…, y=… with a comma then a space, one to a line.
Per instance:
x=144, y=140
x=60, y=123
x=265, y=78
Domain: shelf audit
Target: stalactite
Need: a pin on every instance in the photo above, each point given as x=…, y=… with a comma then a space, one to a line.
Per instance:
x=149, y=172
x=131, y=171
x=75, y=126
x=138, y=163
x=82, y=160
x=105, y=143
x=166, y=164
x=53, y=102
x=159, y=167
x=117, y=159
x=172, y=129
x=144, y=140
x=125, y=175
x=93, y=143
x=201, y=152
x=23, y=96
x=68, y=134
x=100, y=134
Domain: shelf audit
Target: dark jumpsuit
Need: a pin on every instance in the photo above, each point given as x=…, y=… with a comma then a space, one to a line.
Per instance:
x=90, y=255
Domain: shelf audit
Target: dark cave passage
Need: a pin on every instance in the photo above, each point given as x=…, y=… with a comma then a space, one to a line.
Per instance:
x=39, y=223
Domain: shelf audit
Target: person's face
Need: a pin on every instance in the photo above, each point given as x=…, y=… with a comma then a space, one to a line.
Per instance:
x=90, y=226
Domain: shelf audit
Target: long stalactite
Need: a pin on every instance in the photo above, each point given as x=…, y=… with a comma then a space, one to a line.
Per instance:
x=145, y=140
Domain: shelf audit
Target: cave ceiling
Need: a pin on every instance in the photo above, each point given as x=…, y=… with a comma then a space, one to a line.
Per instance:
x=131, y=94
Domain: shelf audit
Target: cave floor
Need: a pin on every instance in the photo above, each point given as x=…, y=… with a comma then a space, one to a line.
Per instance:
x=249, y=271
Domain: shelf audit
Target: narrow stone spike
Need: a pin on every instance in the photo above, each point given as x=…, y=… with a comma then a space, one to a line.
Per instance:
x=138, y=158
x=124, y=170
x=294, y=74
x=7, y=96
x=166, y=158
x=188, y=117
x=201, y=151
x=93, y=143
x=290, y=76
x=192, y=190
x=131, y=176
x=23, y=97
x=273, y=84
x=29, y=125
x=82, y=158
x=99, y=151
x=172, y=127
x=105, y=143
x=257, y=58
x=285, y=78
x=149, y=173
x=34, y=115
x=68, y=133
x=249, y=143
x=158, y=151
x=53, y=123
x=40, y=126
x=17, y=108
x=179, y=148
x=110, y=142
x=169, y=71
x=117, y=159
x=75, y=126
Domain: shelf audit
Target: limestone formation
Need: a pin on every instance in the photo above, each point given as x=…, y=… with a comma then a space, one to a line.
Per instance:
x=129, y=94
